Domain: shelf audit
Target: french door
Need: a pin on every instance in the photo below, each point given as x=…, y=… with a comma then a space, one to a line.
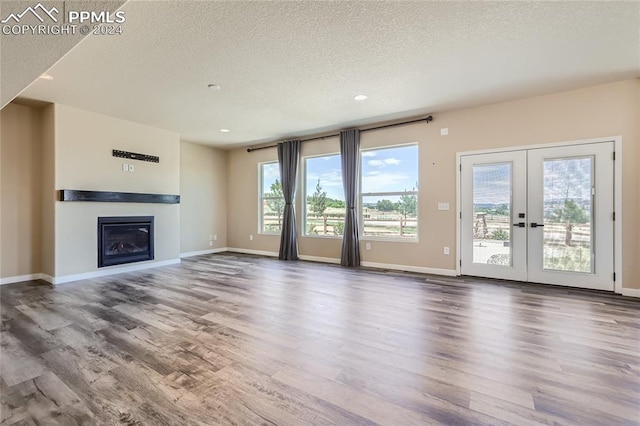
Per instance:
x=540, y=215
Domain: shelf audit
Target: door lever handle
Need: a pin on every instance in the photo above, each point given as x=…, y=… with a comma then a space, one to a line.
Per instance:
x=536, y=225
x=519, y=224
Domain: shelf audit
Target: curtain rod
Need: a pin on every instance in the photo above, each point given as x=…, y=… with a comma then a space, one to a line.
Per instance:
x=427, y=119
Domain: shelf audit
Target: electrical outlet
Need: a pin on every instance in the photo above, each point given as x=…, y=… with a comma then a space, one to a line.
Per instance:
x=446, y=250
x=210, y=237
x=210, y=243
x=367, y=246
x=215, y=237
x=250, y=237
x=131, y=168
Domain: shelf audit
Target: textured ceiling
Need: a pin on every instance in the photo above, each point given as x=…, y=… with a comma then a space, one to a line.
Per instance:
x=24, y=57
x=293, y=68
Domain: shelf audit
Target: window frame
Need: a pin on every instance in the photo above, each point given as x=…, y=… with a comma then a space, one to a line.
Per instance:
x=304, y=196
x=261, y=198
x=361, y=195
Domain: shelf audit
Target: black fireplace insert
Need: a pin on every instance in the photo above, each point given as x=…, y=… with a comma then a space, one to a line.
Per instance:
x=124, y=239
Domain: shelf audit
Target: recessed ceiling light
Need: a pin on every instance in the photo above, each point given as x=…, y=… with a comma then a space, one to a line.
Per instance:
x=360, y=97
x=214, y=87
x=45, y=76
x=225, y=130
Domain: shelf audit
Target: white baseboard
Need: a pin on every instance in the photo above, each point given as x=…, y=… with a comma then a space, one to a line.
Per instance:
x=320, y=259
x=250, y=251
x=404, y=268
x=112, y=271
x=409, y=268
x=201, y=252
x=21, y=278
x=631, y=292
x=275, y=254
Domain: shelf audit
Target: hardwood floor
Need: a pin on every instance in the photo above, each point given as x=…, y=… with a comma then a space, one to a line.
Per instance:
x=235, y=339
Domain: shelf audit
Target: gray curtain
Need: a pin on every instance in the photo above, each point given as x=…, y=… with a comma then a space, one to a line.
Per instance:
x=350, y=157
x=288, y=157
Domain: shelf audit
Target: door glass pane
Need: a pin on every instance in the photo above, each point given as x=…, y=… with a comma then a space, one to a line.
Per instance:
x=568, y=207
x=492, y=214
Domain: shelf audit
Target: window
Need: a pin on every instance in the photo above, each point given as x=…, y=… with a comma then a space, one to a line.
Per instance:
x=324, y=205
x=271, y=199
x=389, y=192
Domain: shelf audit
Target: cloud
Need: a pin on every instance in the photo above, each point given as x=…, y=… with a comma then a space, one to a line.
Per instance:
x=369, y=154
x=564, y=178
x=271, y=171
x=385, y=162
x=386, y=182
x=331, y=181
x=331, y=178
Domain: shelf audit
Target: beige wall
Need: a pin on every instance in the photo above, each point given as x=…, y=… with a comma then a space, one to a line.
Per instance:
x=635, y=164
x=203, y=197
x=606, y=110
x=48, y=193
x=242, y=201
x=68, y=148
x=20, y=177
x=83, y=161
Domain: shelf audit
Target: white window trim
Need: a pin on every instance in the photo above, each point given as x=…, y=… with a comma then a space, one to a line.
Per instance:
x=394, y=239
x=304, y=198
x=261, y=199
x=617, y=140
x=361, y=195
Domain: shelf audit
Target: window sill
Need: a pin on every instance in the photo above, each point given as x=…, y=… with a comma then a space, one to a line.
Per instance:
x=391, y=239
x=326, y=237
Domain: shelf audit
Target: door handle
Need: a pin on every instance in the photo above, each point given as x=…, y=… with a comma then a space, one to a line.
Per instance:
x=536, y=225
x=519, y=224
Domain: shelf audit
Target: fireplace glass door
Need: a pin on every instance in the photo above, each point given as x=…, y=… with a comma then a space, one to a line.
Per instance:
x=124, y=240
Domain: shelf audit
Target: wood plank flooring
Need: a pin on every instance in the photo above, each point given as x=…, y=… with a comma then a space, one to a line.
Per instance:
x=237, y=339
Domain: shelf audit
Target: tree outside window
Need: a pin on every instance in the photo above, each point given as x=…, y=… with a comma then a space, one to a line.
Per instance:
x=324, y=208
x=271, y=199
x=389, y=209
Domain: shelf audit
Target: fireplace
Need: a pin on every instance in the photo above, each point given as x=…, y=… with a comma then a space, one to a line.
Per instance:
x=124, y=239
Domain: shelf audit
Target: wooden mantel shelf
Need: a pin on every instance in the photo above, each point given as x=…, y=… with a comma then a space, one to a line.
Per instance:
x=117, y=197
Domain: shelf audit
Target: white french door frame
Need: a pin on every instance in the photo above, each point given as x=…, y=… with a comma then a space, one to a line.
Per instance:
x=617, y=196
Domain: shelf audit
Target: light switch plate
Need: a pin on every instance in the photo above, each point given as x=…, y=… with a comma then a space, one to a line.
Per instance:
x=443, y=206
x=444, y=131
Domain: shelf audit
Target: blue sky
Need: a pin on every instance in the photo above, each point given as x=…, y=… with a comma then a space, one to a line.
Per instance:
x=569, y=177
x=396, y=169
x=271, y=172
x=492, y=184
x=328, y=170
x=383, y=170
x=390, y=170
